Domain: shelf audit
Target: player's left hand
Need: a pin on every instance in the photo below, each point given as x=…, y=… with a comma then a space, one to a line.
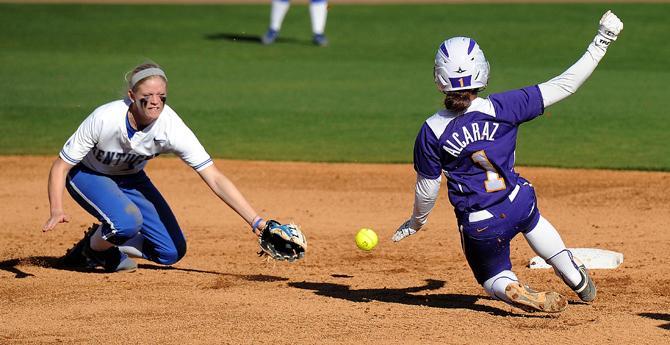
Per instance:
x=403, y=231
x=609, y=28
x=282, y=241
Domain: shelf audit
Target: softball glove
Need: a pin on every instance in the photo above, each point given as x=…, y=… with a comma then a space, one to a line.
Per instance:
x=282, y=241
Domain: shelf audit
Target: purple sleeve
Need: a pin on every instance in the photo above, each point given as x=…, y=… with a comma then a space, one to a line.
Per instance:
x=518, y=106
x=427, y=154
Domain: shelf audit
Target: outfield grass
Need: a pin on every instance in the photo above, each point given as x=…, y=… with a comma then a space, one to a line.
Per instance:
x=360, y=100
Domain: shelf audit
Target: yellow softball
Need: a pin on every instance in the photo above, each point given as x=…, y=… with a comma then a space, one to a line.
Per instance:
x=366, y=239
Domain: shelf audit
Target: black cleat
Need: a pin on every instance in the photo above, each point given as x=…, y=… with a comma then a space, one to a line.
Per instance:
x=74, y=257
x=82, y=256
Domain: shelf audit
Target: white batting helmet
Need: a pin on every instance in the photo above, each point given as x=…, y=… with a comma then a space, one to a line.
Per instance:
x=460, y=65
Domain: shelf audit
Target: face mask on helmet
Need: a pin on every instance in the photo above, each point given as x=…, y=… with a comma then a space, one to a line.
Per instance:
x=460, y=65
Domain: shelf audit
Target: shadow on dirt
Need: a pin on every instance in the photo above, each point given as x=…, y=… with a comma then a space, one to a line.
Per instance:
x=10, y=266
x=404, y=296
x=248, y=277
x=54, y=263
x=658, y=316
x=255, y=39
x=172, y=268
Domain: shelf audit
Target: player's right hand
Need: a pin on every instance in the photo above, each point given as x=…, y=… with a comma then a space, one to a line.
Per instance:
x=608, y=30
x=54, y=219
x=403, y=231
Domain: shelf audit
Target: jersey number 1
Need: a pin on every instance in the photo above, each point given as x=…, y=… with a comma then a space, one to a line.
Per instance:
x=493, y=181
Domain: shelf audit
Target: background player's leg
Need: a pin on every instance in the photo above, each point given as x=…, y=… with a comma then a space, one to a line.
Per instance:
x=547, y=243
x=318, y=11
x=277, y=14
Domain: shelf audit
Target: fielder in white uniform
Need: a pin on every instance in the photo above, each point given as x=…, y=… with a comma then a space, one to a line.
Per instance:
x=102, y=167
x=318, y=11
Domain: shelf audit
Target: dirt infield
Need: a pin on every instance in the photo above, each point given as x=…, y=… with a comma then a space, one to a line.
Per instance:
x=417, y=292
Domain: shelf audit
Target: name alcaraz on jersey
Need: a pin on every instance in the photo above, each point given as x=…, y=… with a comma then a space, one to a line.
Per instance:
x=476, y=131
x=120, y=158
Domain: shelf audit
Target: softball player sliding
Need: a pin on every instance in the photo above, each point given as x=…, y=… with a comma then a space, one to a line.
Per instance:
x=102, y=167
x=472, y=141
x=318, y=11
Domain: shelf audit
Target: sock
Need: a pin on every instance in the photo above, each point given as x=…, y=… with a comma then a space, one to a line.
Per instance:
x=318, y=10
x=278, y=12
x=565, y=267
x=495, y=286
x=547, y=243
x=99, y=244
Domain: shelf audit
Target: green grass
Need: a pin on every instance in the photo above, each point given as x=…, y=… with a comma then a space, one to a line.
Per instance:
x=360, y=100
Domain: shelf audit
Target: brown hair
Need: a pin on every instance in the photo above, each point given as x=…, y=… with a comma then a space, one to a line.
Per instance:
x=458, y=101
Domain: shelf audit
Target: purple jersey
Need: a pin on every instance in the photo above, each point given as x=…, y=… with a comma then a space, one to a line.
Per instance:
x=476, y=149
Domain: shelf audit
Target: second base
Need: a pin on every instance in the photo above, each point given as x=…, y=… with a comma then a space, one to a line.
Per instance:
x=592, y=258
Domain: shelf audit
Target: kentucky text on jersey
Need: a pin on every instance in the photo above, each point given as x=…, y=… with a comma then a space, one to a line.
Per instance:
x=469, y=135
x=116, y=158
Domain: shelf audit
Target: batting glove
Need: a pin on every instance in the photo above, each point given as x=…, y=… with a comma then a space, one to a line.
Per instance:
x=403, y=231
x=608, y=30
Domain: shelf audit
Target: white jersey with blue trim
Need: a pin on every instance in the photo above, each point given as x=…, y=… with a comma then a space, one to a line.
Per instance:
x=101, y=142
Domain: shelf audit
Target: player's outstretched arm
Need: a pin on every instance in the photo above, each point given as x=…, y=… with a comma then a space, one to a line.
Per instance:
x=425, y=195
x=279, y=241
x=228, y=193
x=567, y=83
x=56, y=188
